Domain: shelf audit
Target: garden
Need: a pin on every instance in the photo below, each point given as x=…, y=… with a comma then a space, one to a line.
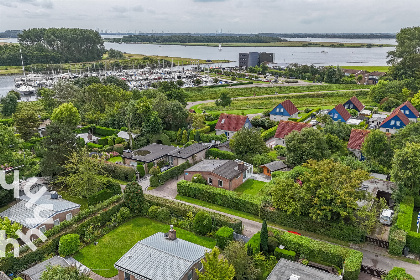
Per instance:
x=251, y=187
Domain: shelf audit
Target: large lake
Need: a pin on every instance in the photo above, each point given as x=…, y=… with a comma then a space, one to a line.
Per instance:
x=282, y=55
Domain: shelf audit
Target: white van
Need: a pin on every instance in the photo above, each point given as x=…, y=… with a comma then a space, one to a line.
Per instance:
x=386, y=217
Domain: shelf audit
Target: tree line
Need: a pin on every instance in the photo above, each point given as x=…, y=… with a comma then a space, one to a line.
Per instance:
x=196, y=39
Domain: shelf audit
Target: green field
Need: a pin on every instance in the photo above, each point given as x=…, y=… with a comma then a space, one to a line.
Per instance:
x=111, y=247
x=368, y=68
x=251, y=187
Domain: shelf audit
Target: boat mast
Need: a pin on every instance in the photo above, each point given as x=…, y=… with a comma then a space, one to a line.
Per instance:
x=23, y=66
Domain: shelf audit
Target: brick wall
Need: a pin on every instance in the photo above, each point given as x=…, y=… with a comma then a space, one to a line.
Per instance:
x=227, y=185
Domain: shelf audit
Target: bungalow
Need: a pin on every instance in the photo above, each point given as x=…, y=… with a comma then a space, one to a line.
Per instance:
x=284, y=111
x=150, y=153
x=379, y=189
x=289, y=270
x=339, y=113
x=373, y=77
x=227, y=174
x=283, y=129
x=357, y=138
x=194, y=153
x=230, y=124
x=394, y=122
x=354, y=103
x=54, y=210
x=409, y=110
x=273, y=166
x=161, y=256
x=35, y=272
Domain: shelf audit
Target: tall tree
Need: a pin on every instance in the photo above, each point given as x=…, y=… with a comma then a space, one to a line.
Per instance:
x=236, y=254
x=26, y=123
x=410, y=133
x=152, y=125
x=215, y=267
x=406, y=168
x=339, y=129
x=248, y=141
x=134, y=198
x=224, y=99
x=377, y=148
x=264, y=238
x=47, y=99
x=66, y=114
x=9, y=104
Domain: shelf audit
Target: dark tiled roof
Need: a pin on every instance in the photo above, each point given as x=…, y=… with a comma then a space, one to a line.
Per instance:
x=156, y=151
x=285, y=127
x=190, y=150
x=35, y=272
x=410, y=106
x=285, y=268
x=207, y=165
x=225, y=168
x=231, y=122
x=342, y=111
x=357, y=137
x=229, y=170
x=399, y=114
x=275, y=165
x=356, y=102
x=289, y=107
x=158, y=258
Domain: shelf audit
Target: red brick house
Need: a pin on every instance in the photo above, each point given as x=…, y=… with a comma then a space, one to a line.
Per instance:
x=357, y=138
x=230, y=124
x=226, y=174
x=283, y=129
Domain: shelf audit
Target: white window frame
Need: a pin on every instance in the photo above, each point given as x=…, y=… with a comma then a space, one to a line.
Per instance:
x=210, y=181
x=392, y=122
x=56, y=222
x=220, y=183
x=69, y=215
x=278, y=110
x=190, y=275
x=351, y=106
x=336, y=116
x=200, y=267
x=398, y=123
x=407, y=112
x=43, y=229
x=346, y=106
x=281, y=110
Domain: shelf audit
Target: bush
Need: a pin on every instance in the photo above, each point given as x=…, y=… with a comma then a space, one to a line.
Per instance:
x=150, y=165
x=223, y=236
x=269, y=133
x=281, y=150
x=273, y=243
x=253, y=245
x=154, y=181
x=413, y=241
x=216, y=153
x=152, y=212
x=122, y=215
x=100, y=196
x=119, y=172
x=405, y=213
x=119, y=148
x=69, y=244
x=202, y=223
x=103, y=141
x=104, y=131
x=154, y=171
x=119, y=140
x=212, y=124
x=397, y=240
x=284, y=254
x=199, y=179
x=171, y=173
x=398, y=273
x=163, y=215
x=140, y=169
x=134, y=198
x=7, y=122
x=208, y=138
x=92, y=146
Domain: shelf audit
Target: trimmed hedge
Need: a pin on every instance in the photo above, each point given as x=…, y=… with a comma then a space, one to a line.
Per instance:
x=405, y=213
x=103, y=141
x=269, y=133
x=169, y=174
x=223, y=236
x=397, y=241
x=207, y=138
x=306, y=116
x=100, y=196
x=246, y=203
x=119, y=172
x=284, y=254
x=216, y=153
x=253, y=244
x=179, y=209
x=92, y=146
x=326, y=253
x=140, y=169
x=69, y=244
x=413, y=241
x=104, y=131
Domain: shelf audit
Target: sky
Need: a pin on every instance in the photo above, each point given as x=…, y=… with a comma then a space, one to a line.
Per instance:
x=209, y=16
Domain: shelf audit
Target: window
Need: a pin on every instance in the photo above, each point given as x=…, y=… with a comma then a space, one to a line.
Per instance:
x=200, y=266
x=335, y=116
x=221, y=183
x=407, y=112
x=346, y=106
x=351, y=105
x=387, y=130
x=281, y=110
x=126, y=276
x=190, y=274
x=56, y=222
x=69, y=216
x=277, y=110
x=398, y=123
x=392, y=122
x=223, y=121
x=247, y=125
x=43, y=229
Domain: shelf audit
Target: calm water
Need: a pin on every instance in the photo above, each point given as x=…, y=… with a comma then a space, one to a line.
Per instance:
x=282, y=55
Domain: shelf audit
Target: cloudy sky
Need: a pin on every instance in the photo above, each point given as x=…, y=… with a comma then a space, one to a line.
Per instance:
x=241, y=16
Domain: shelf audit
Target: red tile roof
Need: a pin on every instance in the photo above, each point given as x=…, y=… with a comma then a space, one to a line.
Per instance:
x=289, y=107
x=410, y=106
x=231, y=122
x=357, y=137
x=285, y=127
x=398, y=113
x=343, y=112
x=356, y=102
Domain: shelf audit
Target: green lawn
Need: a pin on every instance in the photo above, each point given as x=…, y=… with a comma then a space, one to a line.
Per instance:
x=115, y=159
x=250, y=186
x=111, y=247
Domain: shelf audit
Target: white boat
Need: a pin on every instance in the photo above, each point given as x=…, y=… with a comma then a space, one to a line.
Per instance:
x=220, y=47
x=25, y=90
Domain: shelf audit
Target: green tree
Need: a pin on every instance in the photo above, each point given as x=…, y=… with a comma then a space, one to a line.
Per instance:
x=215, y=267
x=179, y=136
x=416, y=100
x=406, y=168
x=134, y=198
x=63, y=273
x=377, y=148
x=335, y=145
x=172, y=91
x=339, y=129
x=66, y=114
x=152, y=124
x=184, y=137
x=383, y=89
x=305, y=145
x=172, y=112
x=410, y=133
x=26, y=123
x=264, y=238
x=236, y=254
x=47, y=99
x=224, y=100
x=9, y=144
x=398, y=273
x=112, y=80
x=9, y=104
x=248, y=141
x=69, y=244
x=115, y=54
x=203, y=223
x=9, y=227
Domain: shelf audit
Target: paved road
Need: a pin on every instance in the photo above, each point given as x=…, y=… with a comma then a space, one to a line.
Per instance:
x=193, y=103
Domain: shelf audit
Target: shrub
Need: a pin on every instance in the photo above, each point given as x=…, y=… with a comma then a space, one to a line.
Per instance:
x=140, y=169
x=172, y=173
x=119, y=172
x=202, y=223
x=100, y=196
x=69, y=244
x=397, y=241
x=269, y=133
x=150, y=165
x=223, y=236
x=405, y=213
x=413, y=241
x=212, y=124
x=285, y=254
x=207, y=138
x=253, y=244
x=110, y=142
x=92, y=146
x=7, y=122
x=123, y=215
x=103, y=141
x=104, y=131
x=273, y=243
x=352, y=265
x=119, y=140
x=216, y=153
x=281, y=150
x=134, y=198
x=199, y=179
x=398, y=273
x=154, y=171
x=161, y=163
x=154, y=181
x=163, y=215
x=152, y=212
x=119, y=148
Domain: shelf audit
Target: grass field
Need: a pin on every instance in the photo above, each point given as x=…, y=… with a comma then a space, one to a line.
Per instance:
x=368, y=68
x=250, y=186
x=115, y=159
x=111, y=247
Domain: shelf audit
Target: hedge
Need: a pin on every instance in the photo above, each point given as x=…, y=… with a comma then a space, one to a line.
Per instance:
x=223, y=236
x=69, y=244
x=397, y=241
x=179, y=209
x=104, y=131
x=246, y=203
x=92, y=146
x=216, y=153
x=212, y=124
x=285, y=254
x=208, y=138
x=140, y=169
x=119, y=172
x=417, y=201
x=306, y=116
x=405, y=213
x=322, y=252
x=103, y=141
x=205, y=129
x=7, y=122
x=253, y=244
x=100, y=196
x=413, y=241
x=169, y=174
x=269, y=133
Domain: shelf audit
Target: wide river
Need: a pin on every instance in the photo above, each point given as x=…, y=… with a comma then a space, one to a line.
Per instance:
x=282, y=55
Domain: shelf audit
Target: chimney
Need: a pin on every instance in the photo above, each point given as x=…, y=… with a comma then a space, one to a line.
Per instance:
x=54, y=195
x=89, y=136
x=172, y=233
x=241, y=166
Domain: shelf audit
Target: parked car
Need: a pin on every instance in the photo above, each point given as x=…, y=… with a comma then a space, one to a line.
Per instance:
x=386, y=217
x=294, y=232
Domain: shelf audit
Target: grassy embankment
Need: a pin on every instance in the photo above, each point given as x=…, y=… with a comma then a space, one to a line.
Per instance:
x=180, y=60
x=368, y=68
